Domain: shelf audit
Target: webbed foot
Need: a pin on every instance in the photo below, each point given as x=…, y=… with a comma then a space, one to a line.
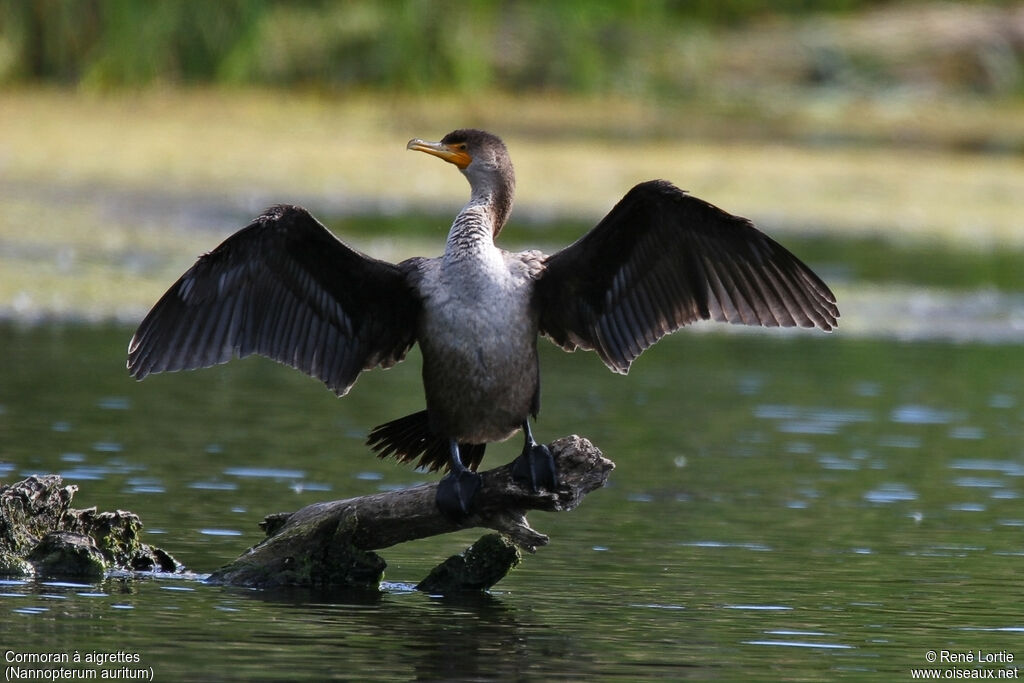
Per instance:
x=534, y=469
x=455, y=493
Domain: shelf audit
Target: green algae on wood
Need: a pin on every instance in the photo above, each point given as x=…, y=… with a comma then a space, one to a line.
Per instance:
x=482, y=565
x=42, y=535
x=317, y=553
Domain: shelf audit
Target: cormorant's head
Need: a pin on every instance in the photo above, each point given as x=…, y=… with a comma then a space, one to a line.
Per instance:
x=471, y=150
x=483, y=159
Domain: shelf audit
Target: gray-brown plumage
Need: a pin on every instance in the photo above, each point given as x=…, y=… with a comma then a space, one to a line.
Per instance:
x=286, y=288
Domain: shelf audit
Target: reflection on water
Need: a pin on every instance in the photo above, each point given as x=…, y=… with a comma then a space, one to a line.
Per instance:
x=784, y=507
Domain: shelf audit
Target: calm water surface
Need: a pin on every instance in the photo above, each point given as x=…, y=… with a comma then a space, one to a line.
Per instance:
x=785, y=507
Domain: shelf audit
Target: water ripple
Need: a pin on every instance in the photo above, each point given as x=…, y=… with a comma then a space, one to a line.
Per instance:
x=966, y=507
x=799, y=643
x=921, y=415
x=899, y=441
x=890, y=493
x=721, y=544
x=1008, y=467
x=114, y=403
x=265, y=472
x=967, y=433
x=794, y=419
x=213, y=485
x=979, y=483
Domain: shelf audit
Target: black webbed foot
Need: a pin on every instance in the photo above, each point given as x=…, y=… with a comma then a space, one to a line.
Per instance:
x=455, y=493
x=534, y=469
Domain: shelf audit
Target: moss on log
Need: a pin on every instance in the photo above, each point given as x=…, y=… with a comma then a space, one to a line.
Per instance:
x=42, y=535
x=482, y=565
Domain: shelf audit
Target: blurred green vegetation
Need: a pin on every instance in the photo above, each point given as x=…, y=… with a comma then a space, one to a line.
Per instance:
x=632, y=47
x=889, y=133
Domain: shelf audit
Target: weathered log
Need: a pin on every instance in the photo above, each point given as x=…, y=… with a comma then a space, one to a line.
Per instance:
x=482, y=565
x=330, y=543
x=42, y=535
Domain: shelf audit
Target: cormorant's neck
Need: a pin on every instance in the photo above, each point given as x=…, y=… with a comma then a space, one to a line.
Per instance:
x=490, y=202
x=471, y=232
x=498, y=199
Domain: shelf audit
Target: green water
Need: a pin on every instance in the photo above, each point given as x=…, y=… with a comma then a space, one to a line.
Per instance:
x=785, y=507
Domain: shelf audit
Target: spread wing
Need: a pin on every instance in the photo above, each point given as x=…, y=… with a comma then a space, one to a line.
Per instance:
x=662, y=259
x=283, y=287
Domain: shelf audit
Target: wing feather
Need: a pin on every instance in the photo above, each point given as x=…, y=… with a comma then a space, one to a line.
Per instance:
x=662, y=259
x=283, y=287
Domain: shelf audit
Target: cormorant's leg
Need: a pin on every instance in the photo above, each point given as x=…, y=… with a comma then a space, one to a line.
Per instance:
x=535, y=467
x=455, y=492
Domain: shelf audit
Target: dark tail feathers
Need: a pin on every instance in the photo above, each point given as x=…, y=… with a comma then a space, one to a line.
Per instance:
x=409, y=437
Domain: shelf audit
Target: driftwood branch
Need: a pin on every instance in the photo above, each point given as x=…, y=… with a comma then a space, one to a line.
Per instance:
x=331, y=543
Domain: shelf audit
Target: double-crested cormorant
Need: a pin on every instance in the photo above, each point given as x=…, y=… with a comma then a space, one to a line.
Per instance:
x=286, y=288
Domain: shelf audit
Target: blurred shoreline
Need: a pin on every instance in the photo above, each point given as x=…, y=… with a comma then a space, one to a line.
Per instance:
x=107, y=199
x=894, y=128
